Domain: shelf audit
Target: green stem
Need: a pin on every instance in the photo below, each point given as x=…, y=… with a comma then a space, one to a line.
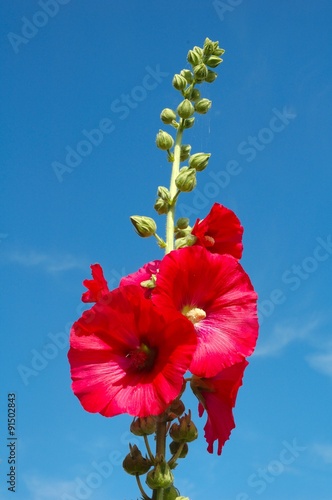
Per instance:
x=147, y=446
x=160, y=452
x=170, y=222
x=174, y=458
x=140, y=487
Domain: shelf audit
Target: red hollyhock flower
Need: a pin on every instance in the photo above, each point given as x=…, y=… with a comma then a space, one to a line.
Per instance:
x=217, y=396
x=97, y=287
x=220, y=231
x=127, y=357
x=215, y=293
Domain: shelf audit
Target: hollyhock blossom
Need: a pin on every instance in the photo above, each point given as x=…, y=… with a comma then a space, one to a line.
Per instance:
x=220, y=231
x=216, y=295
x=127, y=357
x=97, y=287
x=217, y=396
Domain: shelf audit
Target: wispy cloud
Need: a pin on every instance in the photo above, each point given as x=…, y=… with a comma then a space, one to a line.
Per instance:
x=283, y=335
x=51, y=263
x=321, y=362
x=323, y=451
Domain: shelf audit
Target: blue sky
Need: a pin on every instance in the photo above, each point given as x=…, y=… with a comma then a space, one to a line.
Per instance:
x=82, y=66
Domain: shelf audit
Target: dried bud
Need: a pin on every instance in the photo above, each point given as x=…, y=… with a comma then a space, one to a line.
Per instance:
x=167, y=116
x=185, y=431
x=193, y=58
x=199, y=161
x=188, y=122
x=200, y=72
x=185, y=151
x=186, y=179
x=202, y=106
x=187, y=74
x=134, y=463
x=185, y=109
x=160, y=477
x=145, y=226
x=213, y=61
x=182, y=223
x=143, y=426
x=164, y=140
x=179, y=82
x=174, y=446
x=211, y=76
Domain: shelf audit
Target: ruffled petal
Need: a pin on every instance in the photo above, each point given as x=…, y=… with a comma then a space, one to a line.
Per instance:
x=97, y=287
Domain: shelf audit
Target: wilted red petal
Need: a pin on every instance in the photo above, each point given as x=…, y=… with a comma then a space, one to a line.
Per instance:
x=194, y=279
x=217, y=396
x=97, y=287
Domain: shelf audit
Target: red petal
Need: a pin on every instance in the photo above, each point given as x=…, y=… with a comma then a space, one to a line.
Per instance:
x=97, y=287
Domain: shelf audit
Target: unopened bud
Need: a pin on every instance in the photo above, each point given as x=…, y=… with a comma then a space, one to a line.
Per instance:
x=134, y=463
x=188, y=122
x=179, y=82
x=160, y=477
x=186, y=179
x=174, y=446
x=193, y=58
x=164, y=140
x=187, y=241
x=182, y=223
x=144, y=226
x=195, y=95
x=217, y=50
x=161, y=206
x=213, y=61
x=171, y=493
x=200, y=72
x=187, y=74
x=199, y=161
x=198, y=50
x=185, y=151
x=143, y=426
x=185, y=109
x=208, y=48
x=185, y=431
x=167, y=116
x=202, y=106
x=212, y=75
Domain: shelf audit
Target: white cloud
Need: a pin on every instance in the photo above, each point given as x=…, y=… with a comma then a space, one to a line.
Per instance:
x=283, y=335
x=48, y=262
x=321, y=362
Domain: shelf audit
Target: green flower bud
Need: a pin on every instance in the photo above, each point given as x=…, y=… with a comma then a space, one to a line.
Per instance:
x=164, y=193
x=199, y=161
x=213, y=61
x=134, y=463
x=200, y=72
x=179, y=82
x=202, y=106
x=171, y=493
x=185, y=109
x=185, y=151
x=143, y=426
x=167, y=116
x=195, y=95
x=211, y=76
x=164, y=140
x=161, y=206
x=182, y=223
x=186, y=179
x=174, y=446
x=187, y=241
x=193, y=58
x=144, y=226
x=188, y=122
x=208, y=48
x=185, y=431
x=217, y=50
x=187, y=74
x=198, y=50
x=160, y=477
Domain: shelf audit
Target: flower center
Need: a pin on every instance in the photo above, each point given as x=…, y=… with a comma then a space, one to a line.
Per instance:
x=209, y=241
x=142, y=358
x=194, y=314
